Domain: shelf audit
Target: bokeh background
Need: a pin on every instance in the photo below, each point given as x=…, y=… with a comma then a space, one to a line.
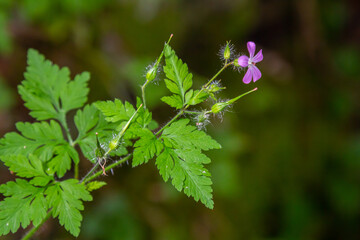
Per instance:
x=290, y=163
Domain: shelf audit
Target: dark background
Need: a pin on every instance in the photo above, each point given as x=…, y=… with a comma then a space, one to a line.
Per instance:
x=290, y=163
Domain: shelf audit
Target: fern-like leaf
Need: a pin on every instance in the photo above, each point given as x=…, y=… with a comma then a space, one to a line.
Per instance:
x=23, y=204
x=42, y=139
x=183, y=162
x=178, y=81
x=66, y=200
x=47, y=89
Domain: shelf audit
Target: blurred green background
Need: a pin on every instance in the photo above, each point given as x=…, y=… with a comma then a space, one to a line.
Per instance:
x=290, y=163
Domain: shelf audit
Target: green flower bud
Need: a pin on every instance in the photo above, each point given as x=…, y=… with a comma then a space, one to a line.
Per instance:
x=202, y=117
x=113, y=144
x=151, y=74
x=215, y=87
x=218, y=107
x=227, y=51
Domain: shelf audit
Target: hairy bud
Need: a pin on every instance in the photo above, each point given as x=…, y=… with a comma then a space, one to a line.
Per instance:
x=113, y=144
x=218, y=107
x=151, y=73
x=227, y=51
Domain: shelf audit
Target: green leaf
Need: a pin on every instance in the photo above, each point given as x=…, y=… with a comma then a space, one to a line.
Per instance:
x=146, y=148
x=178, y=81
x=94, y=185
x=28, y=167
x=39, y=138
x=173, y=101
x=86, y=120
x=181, y=135
x=115, y=111
x=44, y=140
x=197, y=97
x=144, y=117
x=65, y=199
x=185, y=167
x=47, y=90
x=24, y=204
x=61, y=162
x=75, y=94
x=165, y=163
x=182, y=160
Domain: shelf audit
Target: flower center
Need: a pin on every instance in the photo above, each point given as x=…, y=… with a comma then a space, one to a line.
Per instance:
x=250, y=62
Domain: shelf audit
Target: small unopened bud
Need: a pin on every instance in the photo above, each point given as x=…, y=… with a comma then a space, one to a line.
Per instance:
x=215, y=87
x=113, y=144
x=227, y=51
x=99, y=152
x=218, y=107
x=202, y=117
x=151, y=73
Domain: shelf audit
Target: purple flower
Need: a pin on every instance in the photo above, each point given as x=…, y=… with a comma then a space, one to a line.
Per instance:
x=244, y=61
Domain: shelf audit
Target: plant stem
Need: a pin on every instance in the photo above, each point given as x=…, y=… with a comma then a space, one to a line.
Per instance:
x=30, y=233
x=217, y=74
x=63, y=122
x=66, y=128
x=143, y=93
x=111, y=166
x=192, y=112
x=76, y=171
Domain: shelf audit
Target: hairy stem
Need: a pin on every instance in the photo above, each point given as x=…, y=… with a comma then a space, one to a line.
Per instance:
x=111, y=166
x=32, y=231
x=192, y=112
x=143, y=93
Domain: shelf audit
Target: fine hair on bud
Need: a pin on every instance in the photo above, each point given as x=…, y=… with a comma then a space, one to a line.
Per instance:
x=202, y=120
x=154, y=75
x=227, y=52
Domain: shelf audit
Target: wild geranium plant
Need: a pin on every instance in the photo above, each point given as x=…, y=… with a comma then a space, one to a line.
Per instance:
x=41, y=154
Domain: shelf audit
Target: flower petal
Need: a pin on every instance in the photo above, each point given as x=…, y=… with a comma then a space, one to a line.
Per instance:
x=248, y=76
x=255, y=72
x=243, y=61
x=251, y=48
x=258, y=57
